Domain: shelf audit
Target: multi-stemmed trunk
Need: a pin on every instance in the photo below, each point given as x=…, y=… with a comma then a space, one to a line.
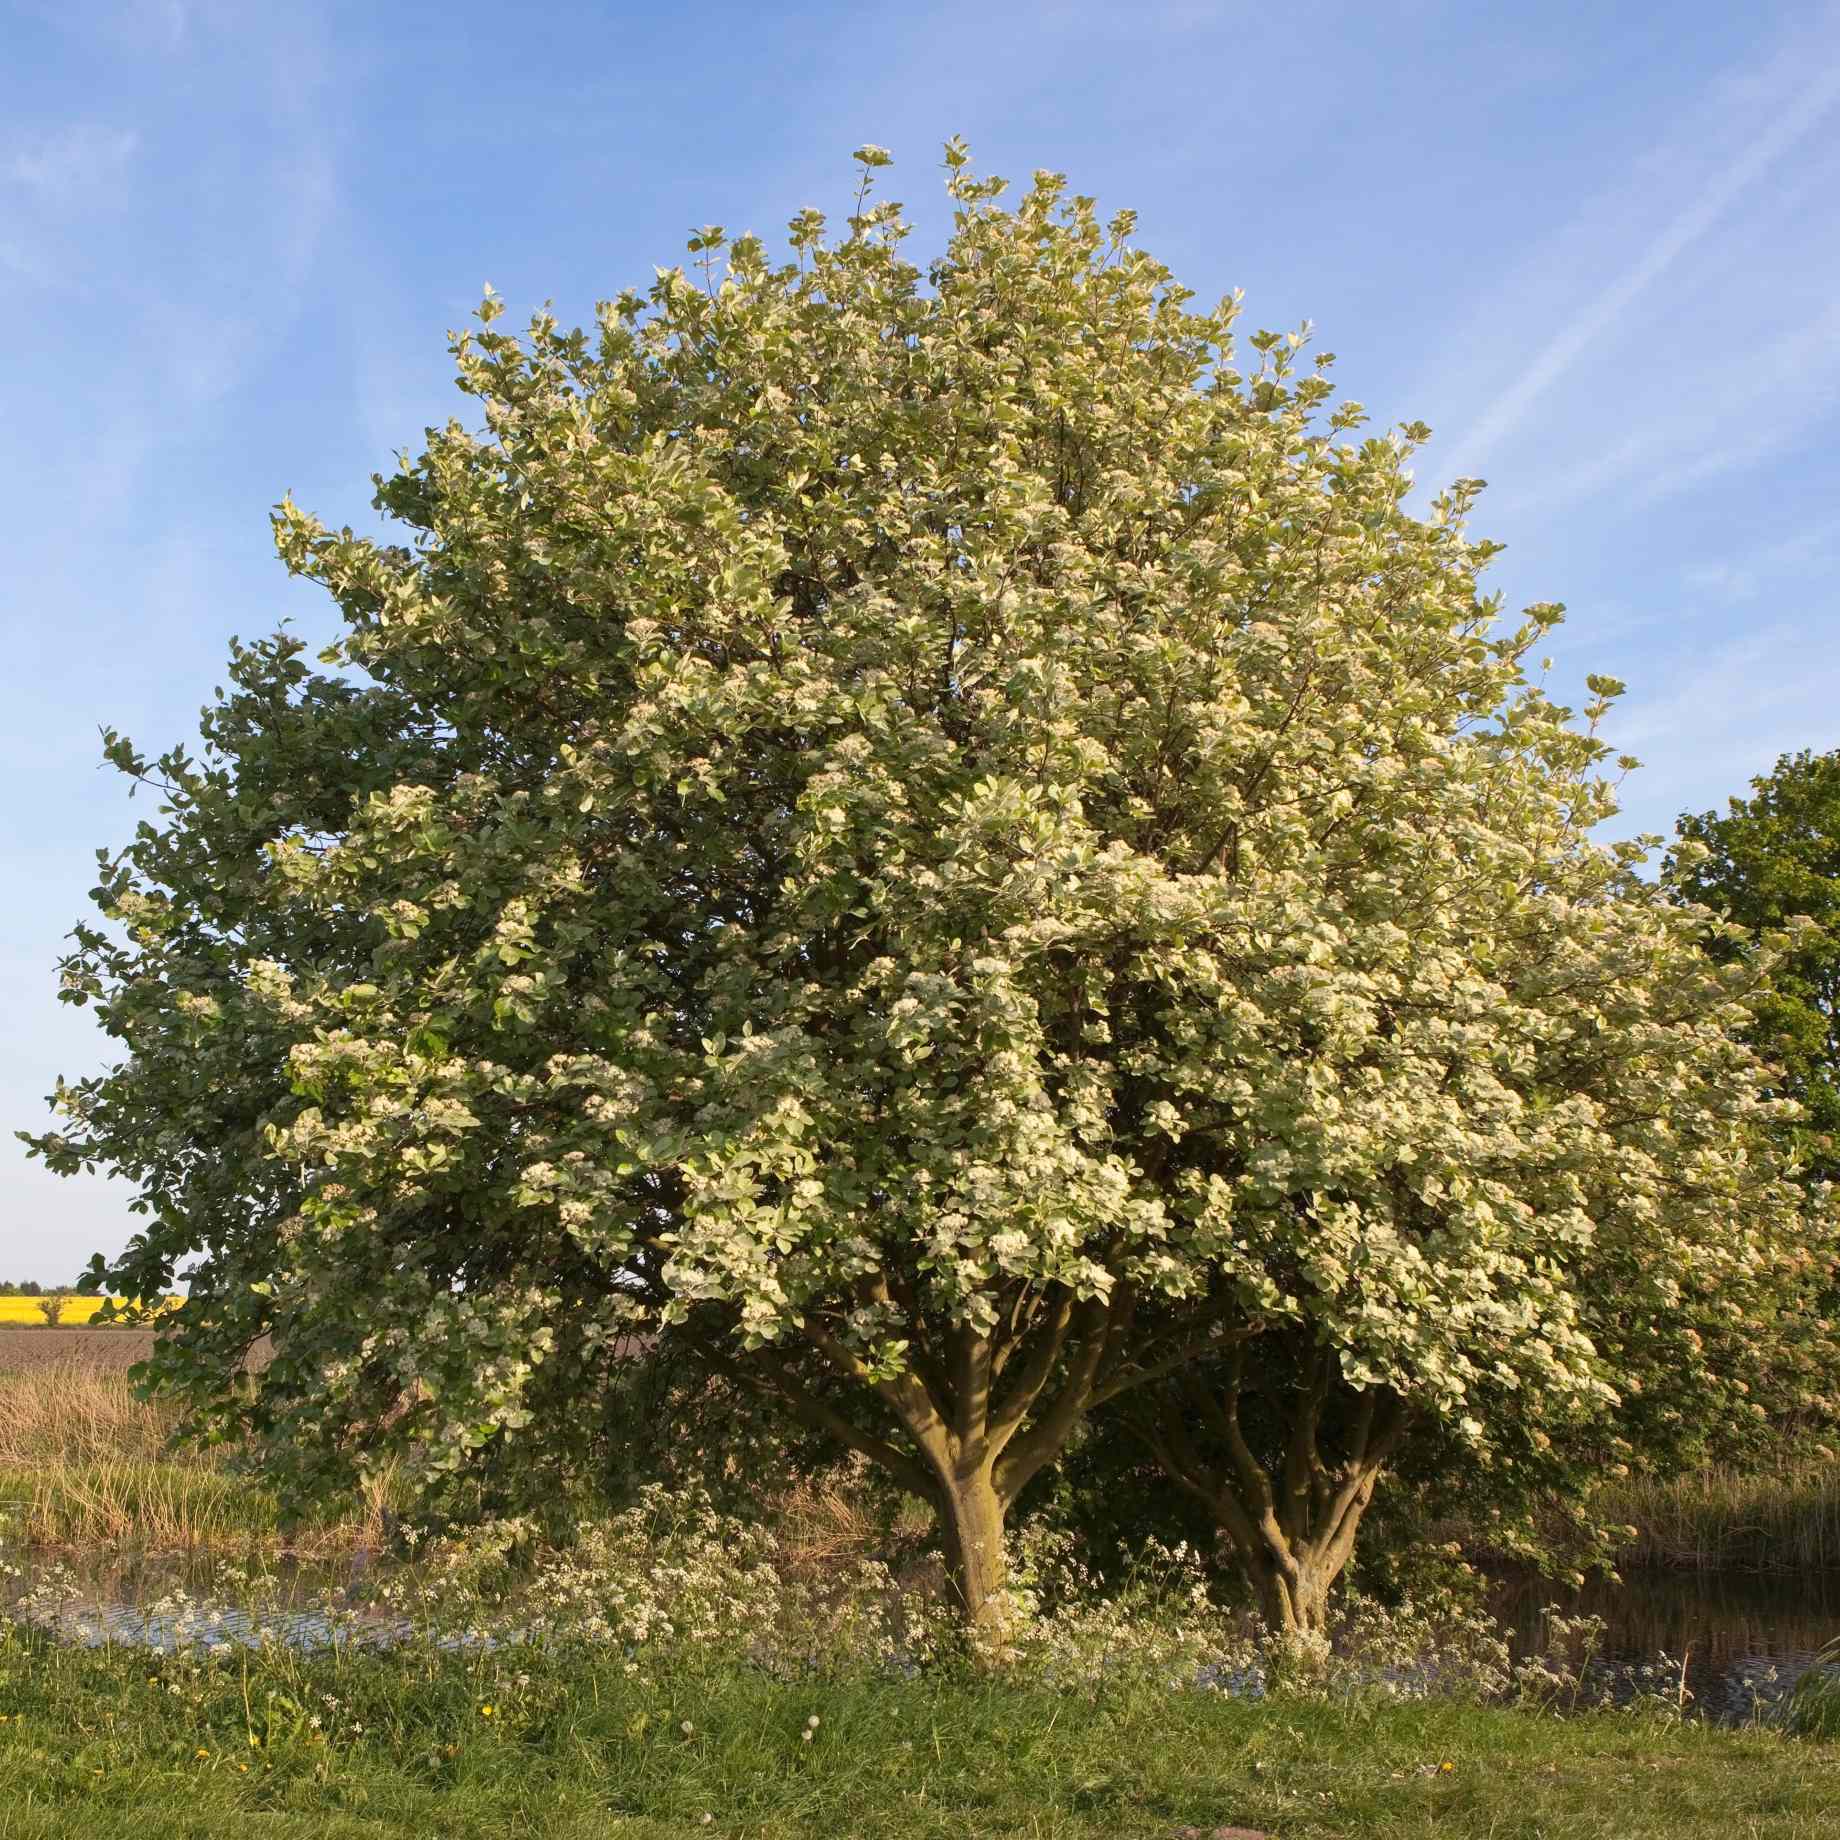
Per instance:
x=974, y=1423
x=977, y=1413
x=1291, y=1518
x=981, y=1430
x=1293, y=1575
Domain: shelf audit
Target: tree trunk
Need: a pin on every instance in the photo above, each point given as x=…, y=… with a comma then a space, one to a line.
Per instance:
x=974, y=1433
x=971, y=1516
x=1291, y=1522
x=1294, y=1592
x=1295, y=1570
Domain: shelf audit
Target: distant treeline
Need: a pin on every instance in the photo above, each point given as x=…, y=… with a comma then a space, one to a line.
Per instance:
x=29, y=1289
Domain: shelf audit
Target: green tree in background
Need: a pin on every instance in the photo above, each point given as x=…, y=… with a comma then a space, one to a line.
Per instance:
x=1769, y=865
x=1765, y=862
x=951, y=845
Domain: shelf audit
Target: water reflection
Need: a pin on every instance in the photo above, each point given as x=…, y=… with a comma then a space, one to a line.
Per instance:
x=1724, y=1646
x=169, y=1601
x=1734, y=1639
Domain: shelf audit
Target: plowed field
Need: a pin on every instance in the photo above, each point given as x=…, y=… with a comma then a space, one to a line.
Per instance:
x=116, y=1348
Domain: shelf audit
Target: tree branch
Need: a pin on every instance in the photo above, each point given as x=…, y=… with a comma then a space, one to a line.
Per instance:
x=1127, y=1379
x=1000, y=1425
x=814, y=1413
x=1301, y=1458
x=1050, y=1432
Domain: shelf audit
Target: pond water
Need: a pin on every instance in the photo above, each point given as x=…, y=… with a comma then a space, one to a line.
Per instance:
x=126, y=1597
x=1736, y=1638
x=1734, y=1644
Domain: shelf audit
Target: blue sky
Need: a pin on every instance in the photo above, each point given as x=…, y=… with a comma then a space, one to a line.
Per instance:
x=1595, y=247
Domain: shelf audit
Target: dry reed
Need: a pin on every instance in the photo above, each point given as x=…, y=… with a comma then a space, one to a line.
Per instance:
x=1785, y=1518
x=829, y=1517
x=85, y=1464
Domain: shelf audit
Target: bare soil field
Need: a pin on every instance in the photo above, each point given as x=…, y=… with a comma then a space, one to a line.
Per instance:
x=115, y=1349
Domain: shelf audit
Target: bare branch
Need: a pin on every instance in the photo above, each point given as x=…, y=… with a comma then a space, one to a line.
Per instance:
x=1193, y=1348
x=766, y=1374
x=1045, y=1438
x=904, y=1394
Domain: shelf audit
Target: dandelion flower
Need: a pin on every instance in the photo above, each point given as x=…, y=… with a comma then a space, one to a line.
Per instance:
x=201, y=1752
x=485, y=1712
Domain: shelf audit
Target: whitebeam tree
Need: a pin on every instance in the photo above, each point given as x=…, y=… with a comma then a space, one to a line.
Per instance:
x=907, y=825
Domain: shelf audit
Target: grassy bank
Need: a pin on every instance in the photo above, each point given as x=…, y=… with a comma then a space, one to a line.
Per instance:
x=98, y=1743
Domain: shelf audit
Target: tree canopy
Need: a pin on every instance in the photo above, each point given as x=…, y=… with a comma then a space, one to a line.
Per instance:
x=1766, y=861
x=947, y=841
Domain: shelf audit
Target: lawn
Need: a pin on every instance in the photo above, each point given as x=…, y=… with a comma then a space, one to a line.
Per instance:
x=566, y=1742
x=101, y=1744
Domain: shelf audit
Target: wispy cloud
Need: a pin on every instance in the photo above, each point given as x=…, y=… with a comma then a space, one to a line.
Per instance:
x=1745, y=574
x=23, y=263
x=1727, y=716
x=1164, y=15
x=1798, y=110
x=164, y=20
x=155, y=25
x=71, y=164
x=1712, y=426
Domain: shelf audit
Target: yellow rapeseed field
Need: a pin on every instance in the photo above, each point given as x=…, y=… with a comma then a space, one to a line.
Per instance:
x=26, y=1310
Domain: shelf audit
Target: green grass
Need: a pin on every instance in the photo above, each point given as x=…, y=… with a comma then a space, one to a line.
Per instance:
x=153, y=1504
x=99, y=1743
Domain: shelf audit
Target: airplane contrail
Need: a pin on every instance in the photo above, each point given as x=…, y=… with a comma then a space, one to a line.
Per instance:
x=1687, y=228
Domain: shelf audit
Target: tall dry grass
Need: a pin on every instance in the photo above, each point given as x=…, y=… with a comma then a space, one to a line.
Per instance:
x=830, y=1519
x=84, y=1463
x=1784, y=1518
